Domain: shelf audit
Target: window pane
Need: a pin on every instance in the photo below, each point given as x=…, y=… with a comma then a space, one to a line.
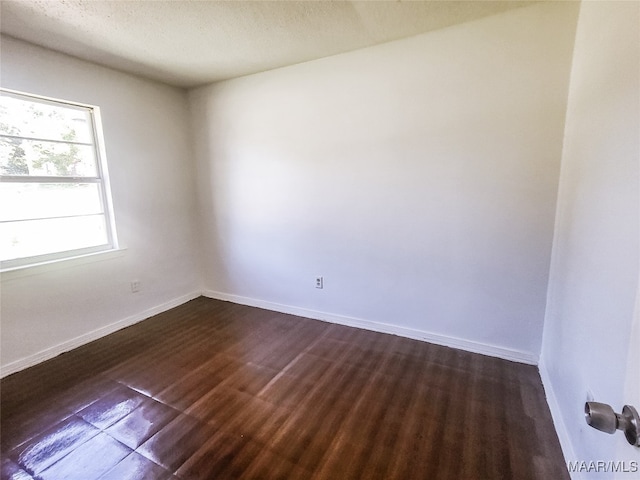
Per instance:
x=36, y=157
x=40, y=237
x=26, y=118
x=54, y=202
x=44, y=200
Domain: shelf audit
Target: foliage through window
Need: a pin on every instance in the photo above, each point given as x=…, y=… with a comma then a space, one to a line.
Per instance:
x=54, y=192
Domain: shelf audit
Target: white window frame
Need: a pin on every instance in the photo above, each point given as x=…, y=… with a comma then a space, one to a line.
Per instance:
x=101, y=178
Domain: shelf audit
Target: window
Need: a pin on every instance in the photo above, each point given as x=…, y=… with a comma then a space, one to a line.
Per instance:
x=54, y=191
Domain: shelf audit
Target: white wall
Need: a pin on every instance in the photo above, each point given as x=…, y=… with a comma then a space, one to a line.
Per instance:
x=419, y=177
x=150, y=163
x=593, y=287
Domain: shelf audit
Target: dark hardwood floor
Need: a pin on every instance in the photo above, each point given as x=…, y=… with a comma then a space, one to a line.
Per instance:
x=213, y=390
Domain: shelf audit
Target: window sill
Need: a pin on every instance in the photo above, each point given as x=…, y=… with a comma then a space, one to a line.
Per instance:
x=53, y=265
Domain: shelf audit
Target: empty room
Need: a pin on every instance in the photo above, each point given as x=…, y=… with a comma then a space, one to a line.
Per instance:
x=320, y=240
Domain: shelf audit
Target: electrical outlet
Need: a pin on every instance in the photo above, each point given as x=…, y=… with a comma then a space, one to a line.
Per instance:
x=135, y=286
x=319, y=282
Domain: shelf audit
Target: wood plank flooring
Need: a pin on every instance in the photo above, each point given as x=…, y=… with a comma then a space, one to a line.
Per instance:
x=213, y=390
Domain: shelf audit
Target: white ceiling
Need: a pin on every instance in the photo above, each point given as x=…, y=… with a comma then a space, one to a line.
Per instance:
x=188, y=43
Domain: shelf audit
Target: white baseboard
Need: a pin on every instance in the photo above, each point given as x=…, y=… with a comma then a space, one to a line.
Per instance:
x=76, y=342
x=447, y=341
x=558, y=420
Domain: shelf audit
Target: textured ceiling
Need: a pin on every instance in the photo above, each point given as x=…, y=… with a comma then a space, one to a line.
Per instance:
x=190, y=43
